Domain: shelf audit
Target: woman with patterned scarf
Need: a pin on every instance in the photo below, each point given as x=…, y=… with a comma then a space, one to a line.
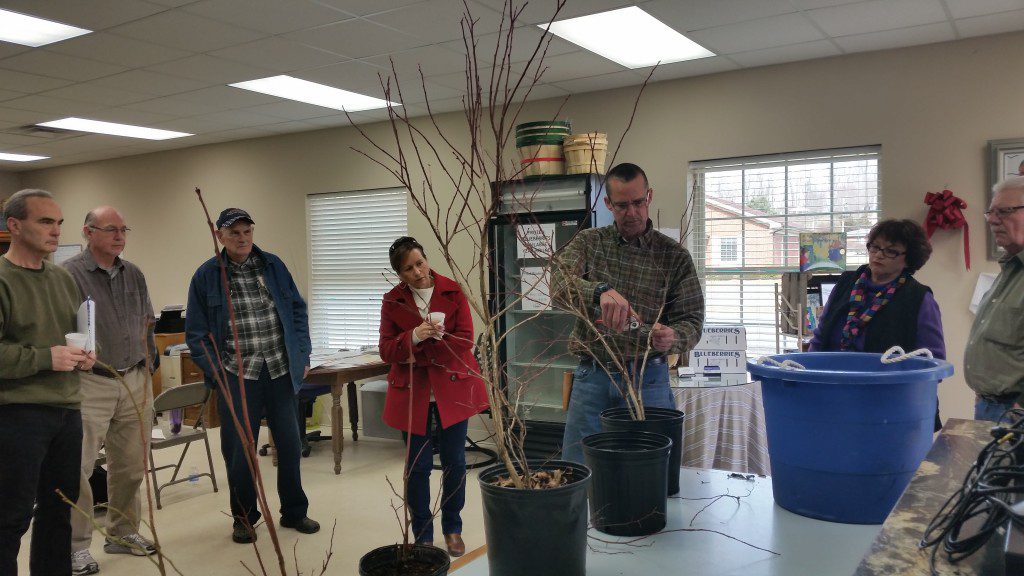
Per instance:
x=881, y=305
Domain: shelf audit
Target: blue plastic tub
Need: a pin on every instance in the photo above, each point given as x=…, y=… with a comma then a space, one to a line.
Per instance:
x=846, y=434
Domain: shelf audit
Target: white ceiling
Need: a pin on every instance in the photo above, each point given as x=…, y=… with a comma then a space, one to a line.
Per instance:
x=166, y=63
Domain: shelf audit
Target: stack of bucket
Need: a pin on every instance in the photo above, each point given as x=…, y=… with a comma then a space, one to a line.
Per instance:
x=585, y=153
x=540, y=147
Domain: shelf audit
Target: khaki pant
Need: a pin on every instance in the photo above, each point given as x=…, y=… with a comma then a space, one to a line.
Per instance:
x=109, y=418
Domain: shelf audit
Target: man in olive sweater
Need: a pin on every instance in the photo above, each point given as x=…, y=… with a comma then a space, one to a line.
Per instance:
x=40, y=422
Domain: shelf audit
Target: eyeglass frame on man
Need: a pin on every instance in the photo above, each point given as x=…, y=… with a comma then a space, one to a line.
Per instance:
x=124, y=230
x=636, y=204
x=1003, y=212
x=886, y=252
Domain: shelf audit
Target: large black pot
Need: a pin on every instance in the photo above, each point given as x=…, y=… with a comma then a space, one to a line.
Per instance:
x=536, y=531
x=383, y=561
x=665, y=421
x=629, y=491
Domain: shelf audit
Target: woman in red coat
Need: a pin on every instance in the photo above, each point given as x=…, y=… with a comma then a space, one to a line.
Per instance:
x=425, y=322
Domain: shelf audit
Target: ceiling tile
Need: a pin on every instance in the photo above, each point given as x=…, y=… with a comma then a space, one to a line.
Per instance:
x=577, y=65
x=791, y=53
x=329, y=121
x=812, y=4
x=59, y=107
x=278, y=54
x=433, y=59
x=15, y=117
x=288, y=110
x=93, y=15
x=524, y=42
x=119, y=50
x=541, y=11
x=60, y=65
x=913, y=36
x=10, y=140
x=355, y=39
x=239, y=118
x=354, y=76
x=992, y=24
x=757, y=34
x=80, y=144
x=698, y=14
x=192, y=125
x=29, y=83
x=185, y=31
x=150, y=83
x=602, y=82
x=878, y=15
x=227, y=97
x=366, y=7
x=269, y=16
x=134, y=117
x=211, y=69
x=710, y=65
x=10, y=94
x=7, y=49
x=969, y=8
x=439, y=20
x=97, y=93
x=177, y=107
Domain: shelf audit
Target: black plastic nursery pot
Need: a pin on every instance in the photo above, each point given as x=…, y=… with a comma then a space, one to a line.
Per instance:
x=536, y=531
x=422, y=560
x=629, y=489
x=667, y=421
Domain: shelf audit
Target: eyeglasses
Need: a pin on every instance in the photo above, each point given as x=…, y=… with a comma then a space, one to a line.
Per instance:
x=124, y=230
x=887, y=252
x=1002, y=212
x=403, y=241
x=638, y=203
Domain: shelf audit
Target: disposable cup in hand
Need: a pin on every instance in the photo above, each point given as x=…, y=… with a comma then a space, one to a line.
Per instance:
x=76, y=339
x=437, y=318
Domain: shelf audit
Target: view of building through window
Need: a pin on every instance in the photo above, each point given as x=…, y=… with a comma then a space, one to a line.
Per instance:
x=749, y=216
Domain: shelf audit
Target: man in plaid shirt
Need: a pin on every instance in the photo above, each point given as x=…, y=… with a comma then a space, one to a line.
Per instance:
x=640, y=289
x=273, y=342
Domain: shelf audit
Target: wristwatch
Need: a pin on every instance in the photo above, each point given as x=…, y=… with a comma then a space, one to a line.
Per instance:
x=600, y=289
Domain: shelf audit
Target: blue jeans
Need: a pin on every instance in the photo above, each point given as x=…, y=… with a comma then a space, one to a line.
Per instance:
x=40, y=453
x=593, y=392
x=274, y=399
x=990, y=409
x=451, y=446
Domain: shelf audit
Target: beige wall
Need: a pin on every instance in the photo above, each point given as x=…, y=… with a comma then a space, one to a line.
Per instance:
x=10, y=182
x=932, y=108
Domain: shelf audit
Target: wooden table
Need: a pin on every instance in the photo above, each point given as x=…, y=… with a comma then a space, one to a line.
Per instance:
x=337, y=378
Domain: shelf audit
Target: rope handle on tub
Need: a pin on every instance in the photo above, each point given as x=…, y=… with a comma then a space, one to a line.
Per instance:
x=787, y=364
x=887, y=357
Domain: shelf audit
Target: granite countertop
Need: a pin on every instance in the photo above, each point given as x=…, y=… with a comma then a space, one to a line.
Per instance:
x=895, y=551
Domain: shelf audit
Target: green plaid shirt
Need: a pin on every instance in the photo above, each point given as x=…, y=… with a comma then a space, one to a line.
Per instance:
x=654, y=273
x=260, y=336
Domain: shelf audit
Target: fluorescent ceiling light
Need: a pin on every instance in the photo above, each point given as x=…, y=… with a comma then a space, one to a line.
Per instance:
x=32, y=31
x=312, y=93
x=20, y=157
x=100, y=127
x=630, y=37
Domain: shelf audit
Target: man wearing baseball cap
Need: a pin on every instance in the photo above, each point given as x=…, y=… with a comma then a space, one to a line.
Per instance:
x=273, y=342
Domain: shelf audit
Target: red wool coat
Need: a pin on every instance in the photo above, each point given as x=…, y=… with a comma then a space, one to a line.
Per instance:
x=446, y=367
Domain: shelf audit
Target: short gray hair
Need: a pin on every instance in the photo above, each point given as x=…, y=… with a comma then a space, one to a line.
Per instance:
x=1011, y=183
x=17, y=205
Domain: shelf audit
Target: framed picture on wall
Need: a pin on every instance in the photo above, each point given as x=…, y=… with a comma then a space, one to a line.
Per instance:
x=1005, y=159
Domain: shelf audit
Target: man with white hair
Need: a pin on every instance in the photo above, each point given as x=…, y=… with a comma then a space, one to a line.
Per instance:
x=994, y=358
x=116, y=408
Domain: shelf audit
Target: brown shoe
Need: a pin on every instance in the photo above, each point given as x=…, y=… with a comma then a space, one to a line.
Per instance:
x=456, y=547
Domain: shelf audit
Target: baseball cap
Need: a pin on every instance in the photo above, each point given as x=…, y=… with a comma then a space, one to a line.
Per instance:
x=231, y=215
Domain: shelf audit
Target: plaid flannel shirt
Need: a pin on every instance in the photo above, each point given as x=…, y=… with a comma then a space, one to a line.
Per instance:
x=655, y=274
x=260, y=336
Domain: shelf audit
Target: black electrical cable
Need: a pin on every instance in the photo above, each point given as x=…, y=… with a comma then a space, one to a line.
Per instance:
x=986, y=494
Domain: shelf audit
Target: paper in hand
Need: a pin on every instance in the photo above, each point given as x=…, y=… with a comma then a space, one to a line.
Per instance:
x=87, y=323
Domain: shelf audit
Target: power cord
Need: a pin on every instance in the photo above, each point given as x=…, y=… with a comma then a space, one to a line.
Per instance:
x=983, y=504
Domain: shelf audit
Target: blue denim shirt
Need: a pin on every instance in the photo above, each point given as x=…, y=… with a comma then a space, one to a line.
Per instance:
x=207, y=313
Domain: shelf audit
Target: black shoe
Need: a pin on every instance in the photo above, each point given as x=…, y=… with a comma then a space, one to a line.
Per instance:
x=242, y=534
x=304, y=525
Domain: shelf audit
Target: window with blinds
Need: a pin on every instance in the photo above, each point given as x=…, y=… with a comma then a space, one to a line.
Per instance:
x=749, y=213
x=349, y=236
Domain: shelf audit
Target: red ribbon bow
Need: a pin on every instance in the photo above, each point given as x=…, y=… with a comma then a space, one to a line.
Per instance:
x=945, y=212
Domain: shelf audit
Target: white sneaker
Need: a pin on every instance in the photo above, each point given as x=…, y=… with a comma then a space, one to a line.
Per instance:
x=134, y=544
x=82, y=563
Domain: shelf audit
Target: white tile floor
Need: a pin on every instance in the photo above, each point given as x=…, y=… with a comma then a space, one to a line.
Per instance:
x=195, y=529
